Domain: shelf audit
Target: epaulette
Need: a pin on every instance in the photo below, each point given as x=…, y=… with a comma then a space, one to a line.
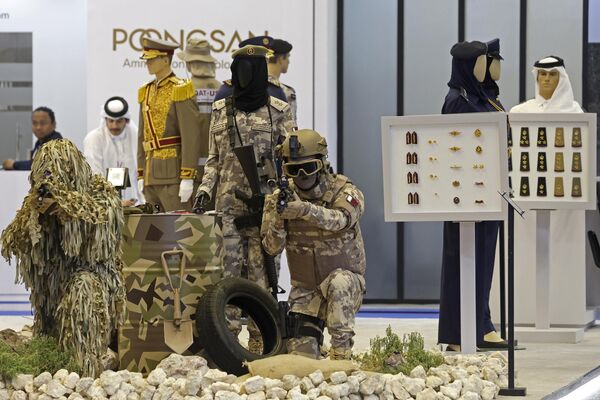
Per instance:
x=289, y=87
x=142, y=91
x=183, y=90
x=217, y=105
x=227, y=82
x=274, y=82
x=279, y=105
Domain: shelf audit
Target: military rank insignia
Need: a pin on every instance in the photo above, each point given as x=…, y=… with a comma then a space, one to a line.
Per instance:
x=576, y=142
x=576, y=164
x=559, y=190
x=352, y=200
x=524, y=140
x=524, y=161
x=559, y=137
x=576, y=188
x=541, y=186
x=559, y=162
x=542, y=141
x=524, y=188
x=541, y=162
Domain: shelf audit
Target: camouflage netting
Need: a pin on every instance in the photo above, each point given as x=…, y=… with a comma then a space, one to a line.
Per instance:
x=65, y=239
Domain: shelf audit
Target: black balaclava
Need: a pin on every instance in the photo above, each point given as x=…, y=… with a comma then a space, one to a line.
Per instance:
x=249, y=78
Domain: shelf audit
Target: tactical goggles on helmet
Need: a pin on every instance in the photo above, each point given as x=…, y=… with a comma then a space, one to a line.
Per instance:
x=308, y=167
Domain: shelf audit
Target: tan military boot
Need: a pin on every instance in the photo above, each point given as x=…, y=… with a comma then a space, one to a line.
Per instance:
x=340, y=354
x=255, y=345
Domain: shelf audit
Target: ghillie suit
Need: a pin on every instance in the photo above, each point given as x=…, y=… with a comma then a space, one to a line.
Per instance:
x=65, y=239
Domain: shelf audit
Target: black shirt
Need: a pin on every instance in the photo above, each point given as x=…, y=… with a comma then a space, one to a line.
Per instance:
x=26, y=165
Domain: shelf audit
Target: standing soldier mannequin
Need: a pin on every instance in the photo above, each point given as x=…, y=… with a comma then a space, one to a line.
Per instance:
x=255, y=119
x=279, y=64
x=202, y=66
x=273, y=88
x=169, y=137
x=319, y=230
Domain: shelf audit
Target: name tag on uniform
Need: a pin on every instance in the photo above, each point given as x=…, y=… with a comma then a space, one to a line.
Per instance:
x=261, y=127
x=205, y=95
x=219, y=126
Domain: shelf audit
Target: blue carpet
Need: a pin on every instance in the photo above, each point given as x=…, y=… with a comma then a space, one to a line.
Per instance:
x=16, y=313
x=398, y=313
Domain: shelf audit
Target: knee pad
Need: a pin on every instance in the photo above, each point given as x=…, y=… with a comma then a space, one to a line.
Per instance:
x=299, y=325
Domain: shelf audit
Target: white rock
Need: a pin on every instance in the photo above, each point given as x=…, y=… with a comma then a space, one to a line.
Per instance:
x=4, y=394
x=213, y=375
x=156, y=377
x=221, y=386
x=413, y=385
x=472, y=384
x=473, y=370
x=191, y=398
x=293, y=392
x=254, y=384
x=168, y=382
x=34, y=396
x=489, y=391
x=127, y=388
x=470, y=396
x=433, y=382
x=272, y=383
x=225, y=395
x=179, y=385
x=459, y=373
x=418, y=372
x=332, y=391
x=442, y=374
x=371, y=397
x=427, y=394
x=119, y=395
x=398, y=389
x=178, y=366
x=306, y=384
x=125, y=375
x=489, y=374
x=206, y=397
x=55, y=388
x=71, y=380
x=19, y=381
x=44, y=396
x=229, y=378
x=361, y=375
x=317, y=377
x=276, y=393
x=19, y=394
x=193, y=383
x=323, y=398
x=60, y=375
x=372, y=385
x=290, y=381
x=260, y=395
x=133, y=396
x=83, y=384
x=502, y=381
x=354, y=396
x=313, y=393
x=176, y=396
x=163, y=392
x=75, y=396
x=110, y=382
x=147, y=393
x=338, y=377
x=138, y=382
x=450, y=392
x=298, y=396
x=95, y=391
x=3, y=385
x=353, y=384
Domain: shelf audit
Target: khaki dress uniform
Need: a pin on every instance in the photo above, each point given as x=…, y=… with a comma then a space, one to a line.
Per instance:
x=168, y=139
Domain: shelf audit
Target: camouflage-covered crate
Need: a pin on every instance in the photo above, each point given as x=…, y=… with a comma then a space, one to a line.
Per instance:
x=149, y=295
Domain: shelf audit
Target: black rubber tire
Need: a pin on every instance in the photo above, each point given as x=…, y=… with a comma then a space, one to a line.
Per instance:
x=220, y=344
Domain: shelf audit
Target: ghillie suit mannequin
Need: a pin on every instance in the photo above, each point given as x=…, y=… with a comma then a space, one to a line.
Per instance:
x=65, y=239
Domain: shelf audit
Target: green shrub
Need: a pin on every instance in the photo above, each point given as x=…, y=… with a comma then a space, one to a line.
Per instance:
x=392, y=355
x=34, y=357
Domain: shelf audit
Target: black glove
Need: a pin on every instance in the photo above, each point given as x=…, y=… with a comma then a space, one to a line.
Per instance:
x=200, y=202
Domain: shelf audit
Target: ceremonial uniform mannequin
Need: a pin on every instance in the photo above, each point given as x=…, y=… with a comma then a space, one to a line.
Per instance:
x=324, y=246
x=169, y=133
x=466, y=95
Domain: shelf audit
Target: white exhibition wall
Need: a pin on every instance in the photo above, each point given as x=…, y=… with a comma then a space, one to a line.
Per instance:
x=87, y=51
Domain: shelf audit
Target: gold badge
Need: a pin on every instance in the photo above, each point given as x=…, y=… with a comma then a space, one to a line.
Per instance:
x=477, y=133
x=265, y=41
x=250, y=51
x=478, y=149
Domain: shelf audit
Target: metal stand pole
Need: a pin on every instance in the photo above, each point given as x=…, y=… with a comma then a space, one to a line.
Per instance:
x=502, y=283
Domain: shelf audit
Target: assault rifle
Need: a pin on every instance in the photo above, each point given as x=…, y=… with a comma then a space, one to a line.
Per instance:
x=255, y=203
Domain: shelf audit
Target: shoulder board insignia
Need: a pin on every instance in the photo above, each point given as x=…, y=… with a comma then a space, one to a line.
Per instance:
x=289, y=87
x=274, y=82
x=217, y=105
x=183, y=90
x=279, y=105
x=176, y=80
x=227, y=82
x=142, y=91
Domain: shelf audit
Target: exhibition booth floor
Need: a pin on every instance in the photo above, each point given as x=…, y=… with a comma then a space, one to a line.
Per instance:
x=542, y=368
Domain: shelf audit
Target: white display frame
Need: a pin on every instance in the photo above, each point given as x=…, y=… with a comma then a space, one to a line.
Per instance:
x=587, y=123
x=493, y=140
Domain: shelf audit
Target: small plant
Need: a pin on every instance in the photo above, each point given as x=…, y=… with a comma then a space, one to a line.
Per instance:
x=392, y=355
x=34, y=357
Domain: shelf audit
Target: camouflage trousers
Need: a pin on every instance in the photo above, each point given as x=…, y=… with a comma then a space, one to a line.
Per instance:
x=167, y=196
x=336, y=301
x=242, y=257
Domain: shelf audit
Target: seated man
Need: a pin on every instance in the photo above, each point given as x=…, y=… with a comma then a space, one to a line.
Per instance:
x=114, y=145
x=43, y=125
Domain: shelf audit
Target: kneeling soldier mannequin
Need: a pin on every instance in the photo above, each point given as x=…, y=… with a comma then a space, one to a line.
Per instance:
x=319, y=230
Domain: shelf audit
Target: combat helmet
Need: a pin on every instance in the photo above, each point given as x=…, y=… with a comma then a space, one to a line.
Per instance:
x=303, y=150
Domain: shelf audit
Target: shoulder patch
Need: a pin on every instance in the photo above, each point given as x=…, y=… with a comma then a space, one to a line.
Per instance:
x=183, y=90
x=217, y=105
x=274, y=82
x=279, y=105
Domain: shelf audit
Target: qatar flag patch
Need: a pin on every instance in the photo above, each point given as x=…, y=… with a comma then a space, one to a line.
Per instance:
x=352, y=201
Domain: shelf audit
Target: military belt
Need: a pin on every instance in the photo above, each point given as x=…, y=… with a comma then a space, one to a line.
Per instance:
x=161, y=143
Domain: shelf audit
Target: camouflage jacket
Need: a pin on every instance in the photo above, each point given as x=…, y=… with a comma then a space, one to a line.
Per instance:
x=264, y=129
x=327, y=237
x=168, y=135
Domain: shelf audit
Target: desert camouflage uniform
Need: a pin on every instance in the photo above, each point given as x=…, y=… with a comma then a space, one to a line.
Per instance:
x=242, y=247
x=327, y=236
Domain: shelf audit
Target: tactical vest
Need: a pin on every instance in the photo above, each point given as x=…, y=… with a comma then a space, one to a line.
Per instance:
x=313, y=253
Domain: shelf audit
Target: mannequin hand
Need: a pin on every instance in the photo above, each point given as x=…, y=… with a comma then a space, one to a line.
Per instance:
x=186, y=187
x=296, y=208
x=200, y=202
x=8, y=164
x=140, y=184
x=271, y=219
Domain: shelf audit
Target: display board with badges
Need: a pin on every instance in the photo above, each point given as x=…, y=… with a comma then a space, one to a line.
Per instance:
x=552, y=160
x=445, y=167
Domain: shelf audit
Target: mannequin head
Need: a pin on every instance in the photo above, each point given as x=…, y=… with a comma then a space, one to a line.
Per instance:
x=198, y=59
x=201, y=69
x=547, y=82
x=159, y=66
x=280, y=61
x=480, y=67
x=158, y=55
x=305, y=160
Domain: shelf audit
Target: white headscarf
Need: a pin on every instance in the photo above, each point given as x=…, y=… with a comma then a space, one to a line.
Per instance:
x=562, y=100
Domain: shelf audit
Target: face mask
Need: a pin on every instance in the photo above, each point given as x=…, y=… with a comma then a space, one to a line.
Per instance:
x=479, y=68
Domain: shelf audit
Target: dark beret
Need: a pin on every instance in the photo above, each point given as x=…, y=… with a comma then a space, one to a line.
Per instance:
x=468, y=50
x=494, y=48
x=266, y=41
x=280, y=46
